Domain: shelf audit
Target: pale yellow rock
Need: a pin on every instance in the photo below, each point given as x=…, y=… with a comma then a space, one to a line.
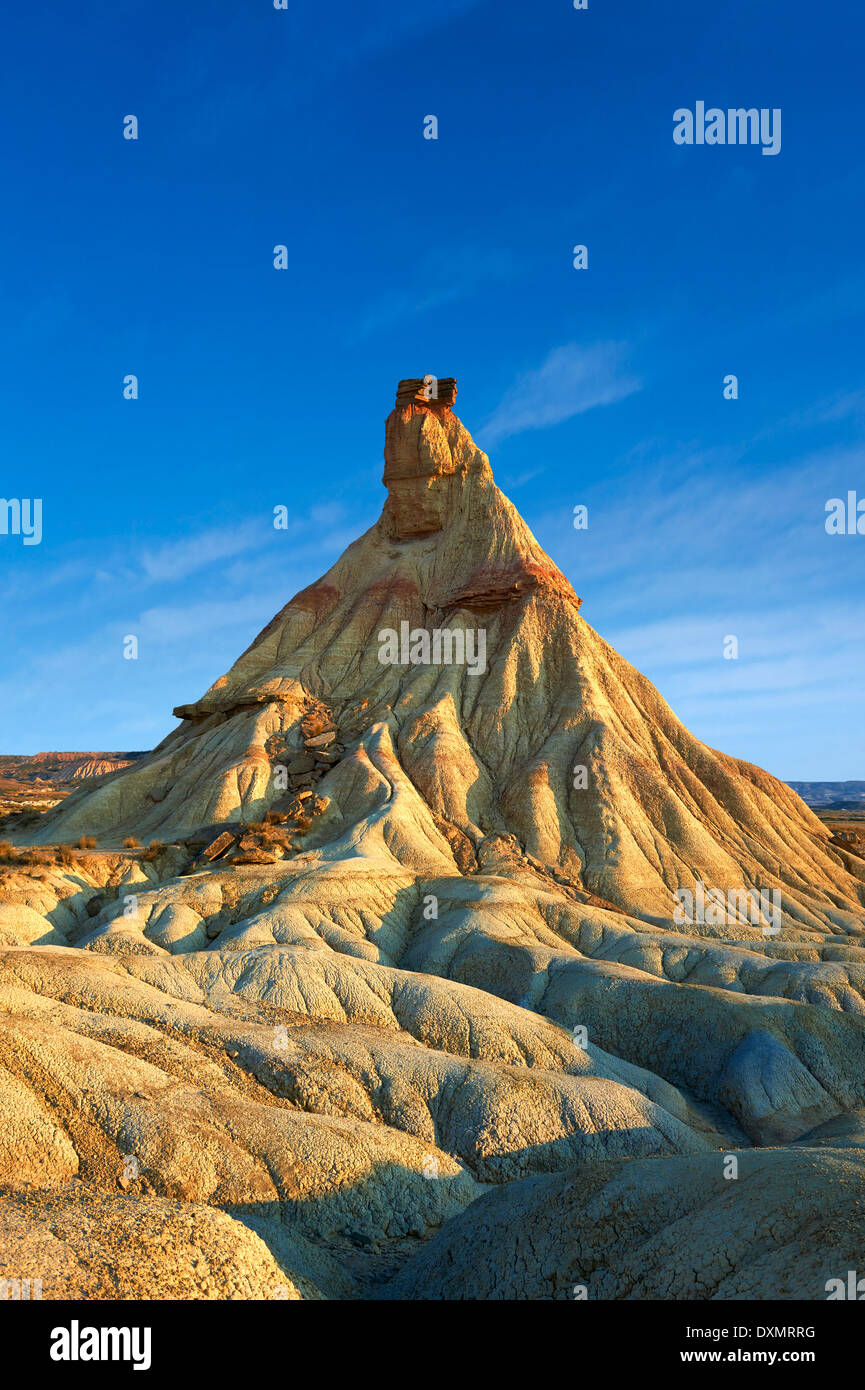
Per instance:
x=78, y=1244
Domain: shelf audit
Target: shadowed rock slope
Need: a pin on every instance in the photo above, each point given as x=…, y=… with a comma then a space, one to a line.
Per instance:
x=459, y=992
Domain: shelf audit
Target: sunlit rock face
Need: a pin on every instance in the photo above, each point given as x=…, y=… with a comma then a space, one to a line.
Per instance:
x=456, y=983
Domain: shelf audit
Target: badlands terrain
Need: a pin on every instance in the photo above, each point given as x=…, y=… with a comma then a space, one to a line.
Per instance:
x=373, y=981
x=38, y=782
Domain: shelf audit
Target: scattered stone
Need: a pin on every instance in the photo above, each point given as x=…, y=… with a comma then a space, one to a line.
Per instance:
x=302, y=763
x=321, y=740
x=205, y=833
x=303, y=781
x=317, y=719
x=257, y=855
x=217, y=847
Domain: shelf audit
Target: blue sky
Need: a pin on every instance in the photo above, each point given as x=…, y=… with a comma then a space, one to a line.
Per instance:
x=259, y=387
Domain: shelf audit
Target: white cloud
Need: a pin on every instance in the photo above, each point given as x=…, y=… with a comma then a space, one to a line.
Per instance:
x=178, y=559
x=192, y=621
x=570, y=381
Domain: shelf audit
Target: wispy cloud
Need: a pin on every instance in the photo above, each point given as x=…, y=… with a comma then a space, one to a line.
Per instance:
x=193, y=602
x=438, y=279
x=322, y=529
x=572, y=380
x=686, y=547
x=178, y=559
x=844, y=407
x=663, y=528
x=169, y=623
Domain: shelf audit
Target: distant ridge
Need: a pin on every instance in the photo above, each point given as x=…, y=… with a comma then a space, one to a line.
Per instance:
x=26, y=772
x=831, y=796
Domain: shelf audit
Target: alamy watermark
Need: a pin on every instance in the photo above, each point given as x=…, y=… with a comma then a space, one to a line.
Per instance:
x=22, y=516
x=444, y=646
x=845, y=517
x=77, y=1343
x=852, y=1288
x=715, y=908
x=20, y=1290
x=731, y=127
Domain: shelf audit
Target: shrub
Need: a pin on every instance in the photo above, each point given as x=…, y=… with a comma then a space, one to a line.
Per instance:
x=131, y=843
x=31, y=858
x=269, y=833
x=87, y=842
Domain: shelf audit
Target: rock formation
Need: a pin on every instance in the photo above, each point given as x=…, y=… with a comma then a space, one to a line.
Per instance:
x=418, y=923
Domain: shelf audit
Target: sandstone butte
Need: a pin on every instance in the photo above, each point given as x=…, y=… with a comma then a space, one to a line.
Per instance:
x=449, y=1041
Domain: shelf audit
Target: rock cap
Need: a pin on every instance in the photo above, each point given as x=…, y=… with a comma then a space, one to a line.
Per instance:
x=427, y=390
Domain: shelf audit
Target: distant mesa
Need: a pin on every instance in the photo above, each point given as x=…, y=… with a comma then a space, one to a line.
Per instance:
x=39, y=779
x=842, y=796
x=63, y=767
x=97, y=767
